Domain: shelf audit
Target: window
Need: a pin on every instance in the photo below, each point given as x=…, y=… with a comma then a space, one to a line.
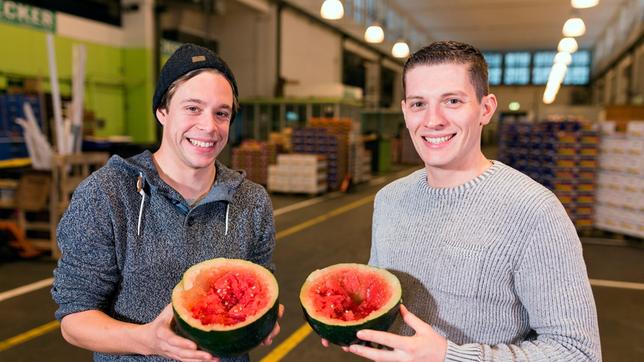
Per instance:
x=494, y=63
x=517, y=68
x=541, y=65
x=579, y=69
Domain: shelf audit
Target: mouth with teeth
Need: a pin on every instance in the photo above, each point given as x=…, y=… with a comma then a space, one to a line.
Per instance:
x=201, y=144
x=435, y=141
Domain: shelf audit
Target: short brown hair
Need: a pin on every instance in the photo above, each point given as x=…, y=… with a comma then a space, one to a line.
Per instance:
x=167, y=97
x=442, y=52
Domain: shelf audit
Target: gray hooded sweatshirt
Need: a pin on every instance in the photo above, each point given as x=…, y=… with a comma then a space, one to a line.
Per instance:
x=127, y=237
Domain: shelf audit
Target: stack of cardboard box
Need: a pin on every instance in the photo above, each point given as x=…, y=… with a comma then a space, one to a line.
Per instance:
x=298, y=173
x=620, y=184
x=254, y=157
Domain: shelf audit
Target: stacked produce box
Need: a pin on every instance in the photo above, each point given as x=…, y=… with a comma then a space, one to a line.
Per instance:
x=561, y=155
x=620, y=183
x=254, y=157
x=11, y=134
x=298, y=173
x=328, y=137
x=282, y=140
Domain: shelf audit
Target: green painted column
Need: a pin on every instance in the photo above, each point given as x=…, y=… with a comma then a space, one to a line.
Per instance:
x=139, y=89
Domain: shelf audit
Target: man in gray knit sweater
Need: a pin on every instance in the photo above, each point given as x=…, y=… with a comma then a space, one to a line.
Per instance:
x=490, y=263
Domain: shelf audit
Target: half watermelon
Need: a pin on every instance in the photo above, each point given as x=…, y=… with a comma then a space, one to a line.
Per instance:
x=342, y=299
x=226, y=306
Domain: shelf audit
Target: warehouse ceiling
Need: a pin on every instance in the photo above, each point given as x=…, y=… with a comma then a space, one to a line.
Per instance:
x=506, y=24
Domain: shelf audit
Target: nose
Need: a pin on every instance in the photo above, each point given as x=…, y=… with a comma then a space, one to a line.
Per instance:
x=434, y=118
x=207, y=122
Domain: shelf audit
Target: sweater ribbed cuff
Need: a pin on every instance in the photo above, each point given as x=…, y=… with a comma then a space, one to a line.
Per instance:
x=466, y=352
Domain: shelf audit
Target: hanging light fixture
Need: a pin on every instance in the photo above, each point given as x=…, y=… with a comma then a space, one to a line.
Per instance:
x=583, y=4
x=332, y=10
x=568, y=45
x=400, y=49
x=550, y=93
x=574, y=27
x=557, y=73
x=374, y=34
x=564, y=58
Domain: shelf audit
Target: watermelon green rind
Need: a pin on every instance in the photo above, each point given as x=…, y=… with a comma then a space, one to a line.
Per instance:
x=346, y=335
x=220, y=340
x=344, y=332
x=230, y=343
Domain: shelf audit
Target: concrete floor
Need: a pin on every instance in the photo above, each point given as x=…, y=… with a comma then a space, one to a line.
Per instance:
x=341, y=238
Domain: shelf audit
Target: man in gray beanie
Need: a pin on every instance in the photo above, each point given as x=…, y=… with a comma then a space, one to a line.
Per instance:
x=134, y=226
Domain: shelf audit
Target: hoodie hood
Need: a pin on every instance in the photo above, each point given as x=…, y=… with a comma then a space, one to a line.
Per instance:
x=226, y=183
x=146, y=179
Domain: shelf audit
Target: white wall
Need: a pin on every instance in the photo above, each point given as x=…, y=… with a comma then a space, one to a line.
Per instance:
x=247, y=43
x=75, y=27
x=136, y=30
x=246, y=38
x=310, y=53
x=139, y=25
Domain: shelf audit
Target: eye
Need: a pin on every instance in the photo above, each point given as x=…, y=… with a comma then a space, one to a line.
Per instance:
x=417, y=105
x=453, y=101
x=223, y=115
x=193, y=109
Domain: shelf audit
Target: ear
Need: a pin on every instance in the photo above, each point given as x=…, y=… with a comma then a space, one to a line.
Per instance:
x=488, y=107
x=161, y=115
x=403, y=107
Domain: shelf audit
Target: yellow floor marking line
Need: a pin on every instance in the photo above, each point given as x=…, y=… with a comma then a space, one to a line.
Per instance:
x=282, y=349
x=285, y=347
x=306, y=203
x=318, y=219
x=29, y=335
x=298, y=336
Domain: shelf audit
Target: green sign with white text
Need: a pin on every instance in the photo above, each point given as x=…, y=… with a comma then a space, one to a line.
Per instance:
x=17, y=13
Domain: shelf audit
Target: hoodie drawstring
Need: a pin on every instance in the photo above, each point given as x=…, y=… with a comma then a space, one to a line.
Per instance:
x=227, y=208
x=139, y=189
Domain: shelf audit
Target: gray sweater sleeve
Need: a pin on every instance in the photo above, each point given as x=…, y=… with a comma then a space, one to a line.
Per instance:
x=552, y=283
x=87, y=273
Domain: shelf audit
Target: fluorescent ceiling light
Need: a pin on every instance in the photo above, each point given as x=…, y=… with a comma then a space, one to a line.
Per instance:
x=557, y=73
x=564, y=58
x=374, y=34
x=400, y=49
x=550, y=93
x=332, y=10
x=568, y=45
x=574, y=27
x=583, y=4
